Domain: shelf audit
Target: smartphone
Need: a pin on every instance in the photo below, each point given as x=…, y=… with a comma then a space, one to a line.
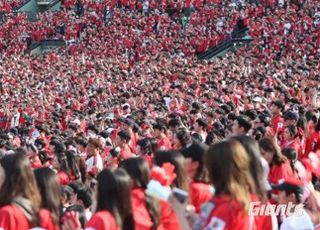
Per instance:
x=180, y=194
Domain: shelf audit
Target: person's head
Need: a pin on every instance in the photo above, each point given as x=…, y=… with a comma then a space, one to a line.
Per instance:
x=174, y=124
x=241, y=125
x=194, y=161
x=290, y=118
x=210, y=138
x=263, y=120
x=200, y=125
x=57, y=146
x=123, y=138
x=94, y=146
x=60, y=163
x=84, y=197
x=50, y=191
x=176, y=159
x=113, y=194
x=290, y=132
x=159, y=129
x=81, y=144
x=73, y=162
x=277, y=108
x=256, y=170
x=228, y=166
x=290, y=154
x=138, y=169
x=17, y=180
x=76, y=186
x=67, y=194
x=291, y=190
x=271, y=151
x=144, y=147
x=181, y=138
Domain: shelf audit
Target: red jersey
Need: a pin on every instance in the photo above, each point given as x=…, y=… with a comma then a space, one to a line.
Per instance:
x=224, y=213
x=200, y=193
x=141, y=216
x=295, y=144
x=280, y=172
x=311, y=143
x=125, y=154
x=63, y=178
x=164, y=144
x=102, y=220
x=12, y=217
x=277, y=123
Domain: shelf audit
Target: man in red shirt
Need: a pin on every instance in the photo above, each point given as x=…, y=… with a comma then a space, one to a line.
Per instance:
x=123, y=142
x=277, y=121
x=159, y=133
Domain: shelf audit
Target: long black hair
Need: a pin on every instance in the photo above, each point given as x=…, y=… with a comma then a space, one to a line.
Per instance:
x=138, y=169
x=114, y=195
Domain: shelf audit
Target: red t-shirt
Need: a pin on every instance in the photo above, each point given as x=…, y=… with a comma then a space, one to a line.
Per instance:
x=164, y=144
x=280, y=172
x=200, y=193
x=63, y=178
x=277, y=123
x=141, y=216
x=311, y=143
x=224, y=213
x=12, y=217
x=102, y=220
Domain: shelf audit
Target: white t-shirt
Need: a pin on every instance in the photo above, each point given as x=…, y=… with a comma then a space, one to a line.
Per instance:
x=297, y=221
x=94, y=161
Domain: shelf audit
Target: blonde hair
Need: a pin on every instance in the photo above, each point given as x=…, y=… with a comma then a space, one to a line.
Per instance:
x=228, y=166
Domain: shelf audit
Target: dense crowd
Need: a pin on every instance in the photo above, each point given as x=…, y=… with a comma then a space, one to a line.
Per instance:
x=123, y=128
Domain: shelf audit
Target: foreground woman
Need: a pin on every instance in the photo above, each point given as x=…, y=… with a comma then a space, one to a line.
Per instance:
x=20, y=199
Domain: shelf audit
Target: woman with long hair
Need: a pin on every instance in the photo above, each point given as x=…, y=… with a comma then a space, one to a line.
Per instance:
x=259, y=172
x=20, y=200
x=176, y=159
x=113, y=210
x=200, y=190
x=291, y=140
x=256, y=162
x=50, y=191
x=279, y=165
x=229, y=172
x=144, y=150
x=182, y=138
x=149, y=212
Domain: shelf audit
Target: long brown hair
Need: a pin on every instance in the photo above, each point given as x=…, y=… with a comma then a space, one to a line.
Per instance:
x=228, y=166
x=50, y=190
x=114, y=195
x=252, y=148
x=268, y=144
x=20, y=182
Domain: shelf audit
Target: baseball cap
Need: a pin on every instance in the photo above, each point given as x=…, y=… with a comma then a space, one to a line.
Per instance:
x=291, y=185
